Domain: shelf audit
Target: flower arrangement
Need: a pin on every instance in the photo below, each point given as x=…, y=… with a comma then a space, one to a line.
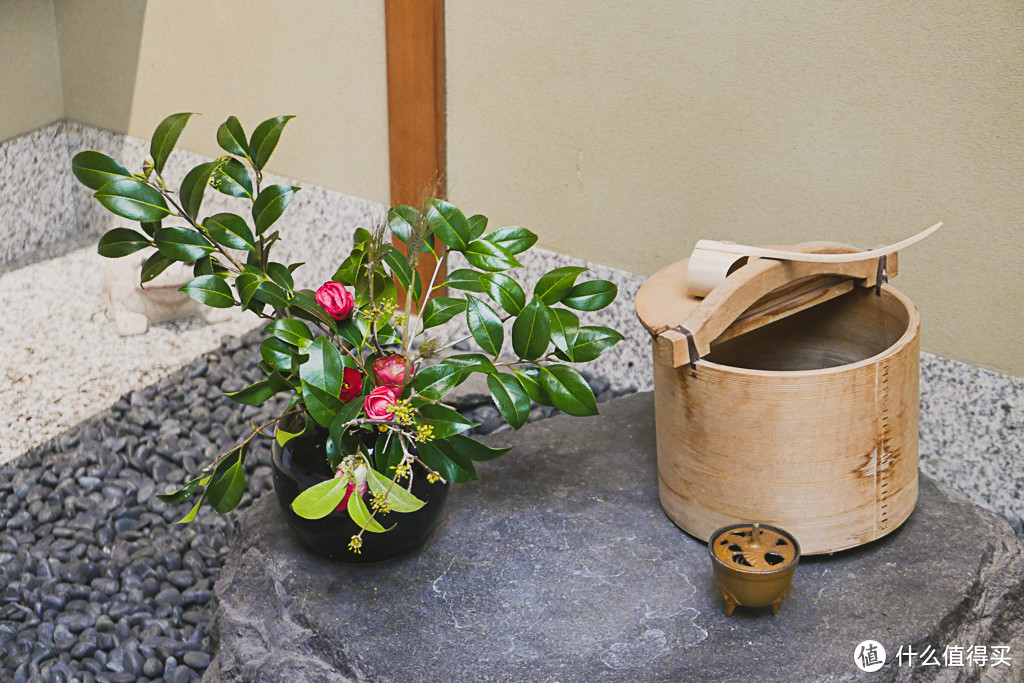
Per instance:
x=358, y=356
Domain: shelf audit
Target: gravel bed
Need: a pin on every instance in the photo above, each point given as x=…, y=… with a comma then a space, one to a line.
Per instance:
x=96, y=582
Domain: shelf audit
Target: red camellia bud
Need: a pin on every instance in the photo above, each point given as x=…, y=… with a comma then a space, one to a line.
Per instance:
x=351, y=384
x=389, y=371
x=380, y=403
x=336, y=300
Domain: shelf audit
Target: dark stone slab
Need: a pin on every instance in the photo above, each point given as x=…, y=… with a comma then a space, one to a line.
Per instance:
x=560, y=566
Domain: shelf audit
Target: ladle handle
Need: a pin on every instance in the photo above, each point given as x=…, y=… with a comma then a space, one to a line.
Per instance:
x=750, y=283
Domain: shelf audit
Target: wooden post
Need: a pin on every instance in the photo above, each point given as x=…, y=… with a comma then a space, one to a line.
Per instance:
x=416, y=107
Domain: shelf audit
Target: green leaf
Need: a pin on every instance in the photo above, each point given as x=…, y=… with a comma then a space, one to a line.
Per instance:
x=465, y=279
x=473, y=449
x=232, y=178
x=230, y=230
x=269, y=206
x=348, y=271
x=388, y=452
x=531, y=331
x=592, y=342
x=182, y=494
x=445, y=421
x=264, y=140
x=402, y=219
x=193, y=187
x=441, y=309
x=324, y=367
x=182, y=244
x=121, y=242
x=491, y=257
x=448, y=223
x=506, y=291
x=471, y=362
x=226, y=493
x=554, y=286
x=484, y=325
x=568, y=390
x=321, y=499
x=402, y=270
x=446, y=460
x=292, y=331
x=154, y=265
x=278, y=354
x=192, y=513
x=592, y=295
x=150, y=227
x=437, y=380
x=303, y=303
x=322, y=405
x=513, y=239
x=565, y=327
x=95, y=169
x=400, y=499
x=281, y=276
x=231, y=137
x=530, y=380
x=270, y=292
x=477, y=226
x=210, y=290
x=350, y=411
x=132, y=199
x=283, y=436
x=165, y=137
x=509, y=397
x=253, y=394
x=361, y=516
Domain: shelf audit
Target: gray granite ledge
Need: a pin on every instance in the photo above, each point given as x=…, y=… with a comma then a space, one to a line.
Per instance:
x=559, y=565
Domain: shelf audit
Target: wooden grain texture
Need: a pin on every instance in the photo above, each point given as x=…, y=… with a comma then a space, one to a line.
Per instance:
x=809, y=424
x=416, y=105
x=759, y=293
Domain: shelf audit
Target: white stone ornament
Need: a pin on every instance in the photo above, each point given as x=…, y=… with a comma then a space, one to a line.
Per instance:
x=133, y=306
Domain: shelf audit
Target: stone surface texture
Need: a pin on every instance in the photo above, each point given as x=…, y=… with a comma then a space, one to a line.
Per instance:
x=559, y=565
x=35, y=182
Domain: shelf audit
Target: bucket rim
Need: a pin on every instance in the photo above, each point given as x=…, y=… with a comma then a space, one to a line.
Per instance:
x=907, y=338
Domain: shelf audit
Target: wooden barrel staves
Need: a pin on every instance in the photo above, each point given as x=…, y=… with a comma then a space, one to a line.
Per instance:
x=799, y=411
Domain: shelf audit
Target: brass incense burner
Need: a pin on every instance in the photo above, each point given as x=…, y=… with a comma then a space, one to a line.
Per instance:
x=753, y=564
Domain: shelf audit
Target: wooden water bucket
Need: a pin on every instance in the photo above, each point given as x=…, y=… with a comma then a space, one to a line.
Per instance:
x=788, y=397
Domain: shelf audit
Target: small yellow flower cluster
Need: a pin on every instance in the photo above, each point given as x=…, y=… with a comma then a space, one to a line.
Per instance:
x=382, y=312
x=434, y=477
x=424, y=433
x=380, y=503
x=400, y=319
x=404, y=413
x=355, y=544
x=402, y=470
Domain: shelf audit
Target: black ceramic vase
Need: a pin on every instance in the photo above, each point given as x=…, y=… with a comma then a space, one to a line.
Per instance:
x=302, y=463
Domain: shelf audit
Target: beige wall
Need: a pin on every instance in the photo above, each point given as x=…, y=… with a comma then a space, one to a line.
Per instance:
x=623, y=132
x=30, y=84
x=128, y=64
x=99, y=46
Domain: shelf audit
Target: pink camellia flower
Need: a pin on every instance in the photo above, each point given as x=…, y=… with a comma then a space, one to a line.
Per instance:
x=359, y=482
x=389, y=371
x=380, y=403
x=336, y=300
x=351, y=384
